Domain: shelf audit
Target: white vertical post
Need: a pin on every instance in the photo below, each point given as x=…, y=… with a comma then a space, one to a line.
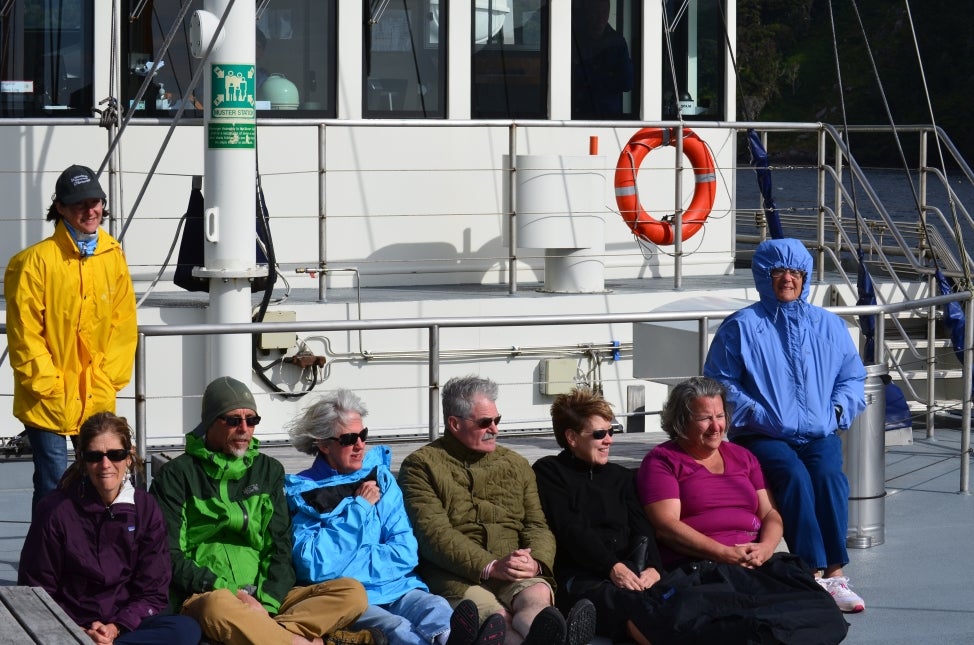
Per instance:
x=230, y=185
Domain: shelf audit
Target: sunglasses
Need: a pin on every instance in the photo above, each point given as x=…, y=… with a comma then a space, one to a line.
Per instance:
x=795, y=273
x=485, y=422
x=599, y=435
x=350, y=438
x=233, y=422
x=95, y=456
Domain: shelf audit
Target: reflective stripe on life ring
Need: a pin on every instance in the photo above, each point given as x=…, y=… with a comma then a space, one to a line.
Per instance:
x=642, y=223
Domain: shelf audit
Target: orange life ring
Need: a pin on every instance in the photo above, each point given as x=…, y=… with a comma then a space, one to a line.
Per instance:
x=642, y=223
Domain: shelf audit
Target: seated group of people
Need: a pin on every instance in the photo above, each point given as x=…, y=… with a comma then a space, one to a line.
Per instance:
x=460, y=549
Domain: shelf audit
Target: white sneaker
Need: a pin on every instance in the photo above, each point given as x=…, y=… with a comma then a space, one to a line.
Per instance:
x=847, y=599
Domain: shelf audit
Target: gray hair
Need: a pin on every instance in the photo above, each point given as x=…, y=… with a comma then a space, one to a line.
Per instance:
x=323, y=419
x=675, y=415
x=459, y=393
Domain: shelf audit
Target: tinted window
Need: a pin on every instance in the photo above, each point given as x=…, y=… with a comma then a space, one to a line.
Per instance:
x=405, y=59
x=604, y=50
x=295, y=52
x=46, y=58
x=510, y=59
x=697, y=35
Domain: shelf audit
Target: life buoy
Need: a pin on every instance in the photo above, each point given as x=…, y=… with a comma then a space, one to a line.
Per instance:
x=642, y=223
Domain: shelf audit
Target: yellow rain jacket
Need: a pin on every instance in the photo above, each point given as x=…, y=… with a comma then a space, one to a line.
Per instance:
x=71, y=330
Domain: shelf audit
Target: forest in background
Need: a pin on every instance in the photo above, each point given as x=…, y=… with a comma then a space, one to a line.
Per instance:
x=787, y=60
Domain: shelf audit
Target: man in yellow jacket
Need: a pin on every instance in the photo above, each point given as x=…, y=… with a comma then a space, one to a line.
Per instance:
x=71, y=324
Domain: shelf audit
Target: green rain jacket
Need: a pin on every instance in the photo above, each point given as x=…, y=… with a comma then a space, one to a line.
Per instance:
x=228, y=523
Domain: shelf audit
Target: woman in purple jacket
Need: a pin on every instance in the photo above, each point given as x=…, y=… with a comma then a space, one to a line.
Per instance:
x=98, y=545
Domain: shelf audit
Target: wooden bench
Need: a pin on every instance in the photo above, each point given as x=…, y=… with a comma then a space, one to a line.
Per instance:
x=30, y=615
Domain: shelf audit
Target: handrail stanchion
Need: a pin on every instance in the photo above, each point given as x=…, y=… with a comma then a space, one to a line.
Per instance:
x=703, y=340
x=512, y=219
x=141, y=449
x=434, y=376
x=968, y=382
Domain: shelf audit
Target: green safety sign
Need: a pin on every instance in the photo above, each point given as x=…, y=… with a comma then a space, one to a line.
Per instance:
x=233, y=92
x=231, y=135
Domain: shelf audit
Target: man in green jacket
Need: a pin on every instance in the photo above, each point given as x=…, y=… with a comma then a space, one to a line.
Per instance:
x=230, y=537
x=482, y=533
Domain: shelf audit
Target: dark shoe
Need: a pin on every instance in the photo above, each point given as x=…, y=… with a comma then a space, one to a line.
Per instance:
x=581, y=623
x=464, y=623
x=548, y=628
x=370, y=636
x=493, y=631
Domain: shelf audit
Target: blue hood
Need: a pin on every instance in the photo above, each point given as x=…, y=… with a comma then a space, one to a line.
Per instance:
x=786, y=253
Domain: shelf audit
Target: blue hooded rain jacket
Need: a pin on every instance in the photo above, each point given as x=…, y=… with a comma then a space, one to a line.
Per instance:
x=338, y=534
x=788, y=366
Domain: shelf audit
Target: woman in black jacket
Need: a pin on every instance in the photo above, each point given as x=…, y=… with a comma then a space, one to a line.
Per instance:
x=606, y=549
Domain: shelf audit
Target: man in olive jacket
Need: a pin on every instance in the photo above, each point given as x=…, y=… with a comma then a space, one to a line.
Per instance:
x=230, y=537
x=482, y=533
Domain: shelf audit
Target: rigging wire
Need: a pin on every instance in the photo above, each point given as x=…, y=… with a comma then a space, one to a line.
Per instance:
x=961, y=248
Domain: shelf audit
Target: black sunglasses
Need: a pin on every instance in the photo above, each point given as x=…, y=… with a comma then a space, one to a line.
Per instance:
x=233, y=422
x=485, y=422
x=95, y=456
x=599, y=435
x=349, y=438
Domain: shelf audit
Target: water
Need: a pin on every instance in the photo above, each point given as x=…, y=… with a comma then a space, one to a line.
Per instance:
x=795, y=194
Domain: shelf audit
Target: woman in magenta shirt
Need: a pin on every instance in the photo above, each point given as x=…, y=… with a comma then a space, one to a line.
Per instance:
x=706, y=497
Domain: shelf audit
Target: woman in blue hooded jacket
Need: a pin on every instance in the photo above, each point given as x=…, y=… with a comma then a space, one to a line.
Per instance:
x=348, y=520
x=794, y=378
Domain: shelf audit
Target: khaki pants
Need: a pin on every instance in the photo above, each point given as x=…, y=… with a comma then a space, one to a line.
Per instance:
x=310, y=612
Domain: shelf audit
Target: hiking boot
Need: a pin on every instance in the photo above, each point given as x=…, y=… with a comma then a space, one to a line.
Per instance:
x=464, y=623
x=847, y=599
x=547, y=628
x=369, y=636
x=581, y=623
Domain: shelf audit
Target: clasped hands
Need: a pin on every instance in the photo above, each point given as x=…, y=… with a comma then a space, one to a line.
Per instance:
x=624, y=578
x=102, y=633
x=751, y=555
x=517, y=565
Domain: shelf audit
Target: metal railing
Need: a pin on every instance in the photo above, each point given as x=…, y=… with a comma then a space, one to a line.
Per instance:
x=434, y=326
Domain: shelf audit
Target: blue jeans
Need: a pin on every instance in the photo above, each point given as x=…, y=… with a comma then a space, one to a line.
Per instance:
x=50, y=452
x=163, y=629
x=417, y=618
x=811, y=492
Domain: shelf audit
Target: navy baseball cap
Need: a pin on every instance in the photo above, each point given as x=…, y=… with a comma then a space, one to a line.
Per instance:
x=76, y=184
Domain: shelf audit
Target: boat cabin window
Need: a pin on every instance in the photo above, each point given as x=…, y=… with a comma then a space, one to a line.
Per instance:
x=405, y=59
x=605, y=48
x=296, y=42
x=46, y=49
x=510, y=59
x=695, y=32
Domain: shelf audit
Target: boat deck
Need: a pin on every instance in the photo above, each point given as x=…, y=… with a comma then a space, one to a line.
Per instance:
x=915, y=584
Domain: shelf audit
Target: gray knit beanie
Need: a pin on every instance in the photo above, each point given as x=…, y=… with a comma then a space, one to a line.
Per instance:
x=221, y=396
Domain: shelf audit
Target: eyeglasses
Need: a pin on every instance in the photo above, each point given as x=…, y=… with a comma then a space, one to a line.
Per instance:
x=349, y=438
x=599, y=435
x=95, y=456
x=485, y=422
x=233, y=422
x=795, y=273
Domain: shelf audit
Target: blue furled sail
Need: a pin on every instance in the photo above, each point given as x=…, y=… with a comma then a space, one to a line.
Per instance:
x=897, y=408
x=953, y=316
x=759, y=159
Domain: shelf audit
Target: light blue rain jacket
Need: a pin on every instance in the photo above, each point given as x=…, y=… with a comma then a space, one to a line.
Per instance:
x=373, y=544
x=786, y=365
